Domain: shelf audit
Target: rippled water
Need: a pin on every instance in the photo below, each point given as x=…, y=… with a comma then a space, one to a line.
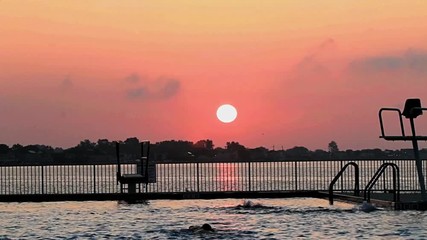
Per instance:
x=302, y=218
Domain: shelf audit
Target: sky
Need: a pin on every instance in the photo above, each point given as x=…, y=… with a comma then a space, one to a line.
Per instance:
x=300, y=73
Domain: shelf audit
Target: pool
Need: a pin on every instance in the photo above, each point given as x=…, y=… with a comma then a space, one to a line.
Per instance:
x=301, y=218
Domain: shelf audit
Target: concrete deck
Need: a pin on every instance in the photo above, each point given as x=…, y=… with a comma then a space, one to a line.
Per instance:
x=410, y=201
x=383, y=200
x=136, y=197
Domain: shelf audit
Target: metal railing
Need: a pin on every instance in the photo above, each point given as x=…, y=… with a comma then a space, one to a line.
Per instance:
x=289, y=175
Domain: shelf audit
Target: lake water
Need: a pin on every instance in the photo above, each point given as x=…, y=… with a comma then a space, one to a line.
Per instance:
x=299, y=218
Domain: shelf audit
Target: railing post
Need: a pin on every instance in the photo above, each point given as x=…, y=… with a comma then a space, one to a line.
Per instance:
x=94, y=178
x=42, y=172
x=296, y=175
x=249, y=177
x=198, y=177
x=342, y=179
x=385, y=181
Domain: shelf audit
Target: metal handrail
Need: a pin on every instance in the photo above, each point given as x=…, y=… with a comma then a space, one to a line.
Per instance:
x=382, y=124
x=403, y=136
x=374, y=179
x=356, y=182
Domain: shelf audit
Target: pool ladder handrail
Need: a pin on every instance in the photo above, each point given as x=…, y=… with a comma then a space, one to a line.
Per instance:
x=374, y=179
x=339, y=174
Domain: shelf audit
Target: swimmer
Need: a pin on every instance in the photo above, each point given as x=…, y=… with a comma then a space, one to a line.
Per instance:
x=204, y=228
x=367, y=207
x=249, y=204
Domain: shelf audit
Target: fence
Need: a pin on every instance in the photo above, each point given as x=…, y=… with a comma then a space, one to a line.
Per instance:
x=301, y=175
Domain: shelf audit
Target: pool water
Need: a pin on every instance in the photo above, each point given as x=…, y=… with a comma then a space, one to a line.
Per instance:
x=298, y=218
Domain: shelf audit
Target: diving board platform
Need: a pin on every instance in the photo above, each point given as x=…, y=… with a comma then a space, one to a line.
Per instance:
x=411, y=110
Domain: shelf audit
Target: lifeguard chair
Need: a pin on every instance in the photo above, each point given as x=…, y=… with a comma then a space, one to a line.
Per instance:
x=411, y=111
x=144, y=170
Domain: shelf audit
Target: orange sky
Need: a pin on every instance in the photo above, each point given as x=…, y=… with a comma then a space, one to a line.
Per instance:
x=300, y=73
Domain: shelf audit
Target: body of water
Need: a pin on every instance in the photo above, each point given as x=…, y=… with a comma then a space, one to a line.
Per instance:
x=299, y=218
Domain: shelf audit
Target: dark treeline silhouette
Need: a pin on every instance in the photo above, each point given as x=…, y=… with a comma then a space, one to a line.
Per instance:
x=104, y=151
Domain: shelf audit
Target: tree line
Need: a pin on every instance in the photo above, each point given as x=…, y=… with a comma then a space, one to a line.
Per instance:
x=104, y=151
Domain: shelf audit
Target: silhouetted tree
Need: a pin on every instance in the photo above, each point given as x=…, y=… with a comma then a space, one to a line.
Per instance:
x=86, y=144
x=333, y=147
x=174, y=150
x=203, y=148
x=297, y=152
x=236, y=148
x=320, y=154
x=83, y=149
x=258, y=153
x=104, y=146
x=4, y=149
x=131, y=146
x=206, y=144
x=132, y=141
x=178, y=150
x=32, y=149
x=18, y=148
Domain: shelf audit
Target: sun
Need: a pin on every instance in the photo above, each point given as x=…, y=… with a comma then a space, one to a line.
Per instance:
x=226, y=113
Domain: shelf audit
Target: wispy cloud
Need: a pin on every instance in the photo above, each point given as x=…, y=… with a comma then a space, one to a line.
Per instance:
x=315, y=82
x=313, y=72
x=158, y=89
x=412, y=61
x=66, y=84
x=138, y=93
x=169, y=88
x=311, y=64
x=133, y=78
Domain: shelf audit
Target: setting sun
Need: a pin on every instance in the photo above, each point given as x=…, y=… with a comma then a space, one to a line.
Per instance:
x=226, y=113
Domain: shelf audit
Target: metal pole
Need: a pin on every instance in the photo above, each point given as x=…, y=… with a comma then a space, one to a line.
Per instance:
x=198, y=177
x=342, y=179
x=42, y=178
x=249, y=177
x=94, y=178
x=418, y=162
x=296, y=175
